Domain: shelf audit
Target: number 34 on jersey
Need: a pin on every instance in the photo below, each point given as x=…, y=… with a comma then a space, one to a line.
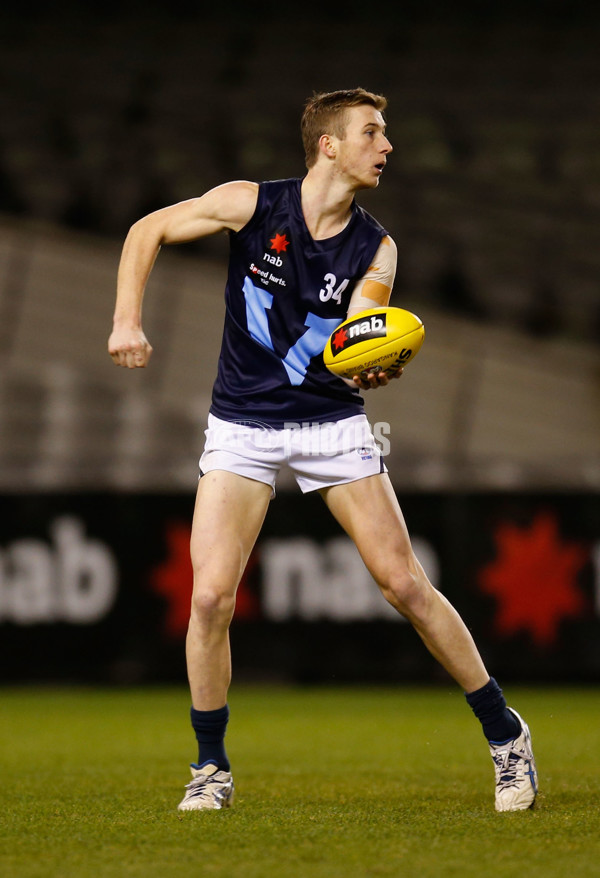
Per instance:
x=331, y=291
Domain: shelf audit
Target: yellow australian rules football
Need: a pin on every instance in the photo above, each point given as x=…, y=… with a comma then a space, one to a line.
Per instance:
x=377, y=340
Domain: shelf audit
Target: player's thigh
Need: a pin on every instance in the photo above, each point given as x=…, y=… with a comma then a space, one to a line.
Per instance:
x=369, y=512
x=228, y=515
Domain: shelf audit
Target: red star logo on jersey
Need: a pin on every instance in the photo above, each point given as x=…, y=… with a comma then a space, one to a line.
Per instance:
x=279, y=243
x=340, y=339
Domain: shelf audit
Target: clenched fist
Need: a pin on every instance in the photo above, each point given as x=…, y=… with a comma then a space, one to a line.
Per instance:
x=129, y=348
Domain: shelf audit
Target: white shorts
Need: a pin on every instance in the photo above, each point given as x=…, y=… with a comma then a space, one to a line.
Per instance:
x=319, y=455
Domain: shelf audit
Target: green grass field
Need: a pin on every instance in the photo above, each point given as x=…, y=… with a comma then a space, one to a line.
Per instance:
x=330, y=782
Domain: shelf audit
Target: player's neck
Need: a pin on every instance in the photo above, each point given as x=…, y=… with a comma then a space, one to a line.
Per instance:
x=326, y=204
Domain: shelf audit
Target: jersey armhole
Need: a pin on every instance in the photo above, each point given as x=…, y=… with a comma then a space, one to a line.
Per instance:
x=258, y=210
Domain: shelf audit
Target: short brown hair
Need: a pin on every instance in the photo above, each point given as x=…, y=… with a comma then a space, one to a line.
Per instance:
x=325, y=113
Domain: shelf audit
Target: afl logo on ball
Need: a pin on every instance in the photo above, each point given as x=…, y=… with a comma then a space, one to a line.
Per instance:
x=357, y=330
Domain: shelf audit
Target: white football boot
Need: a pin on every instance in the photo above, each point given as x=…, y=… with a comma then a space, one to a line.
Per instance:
x=516, y=775
x=209, y=789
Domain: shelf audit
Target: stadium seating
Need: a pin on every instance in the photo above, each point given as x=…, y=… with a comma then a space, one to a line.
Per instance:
x=492, y=194
x=483, y=406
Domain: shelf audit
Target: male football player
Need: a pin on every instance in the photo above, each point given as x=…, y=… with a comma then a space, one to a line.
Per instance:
x=303, y=257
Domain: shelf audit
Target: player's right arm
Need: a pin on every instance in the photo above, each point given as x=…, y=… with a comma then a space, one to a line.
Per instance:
x=229, y=206
x=373, y=291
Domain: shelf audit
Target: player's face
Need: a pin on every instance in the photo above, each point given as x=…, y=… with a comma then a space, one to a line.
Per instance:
x=363, y=152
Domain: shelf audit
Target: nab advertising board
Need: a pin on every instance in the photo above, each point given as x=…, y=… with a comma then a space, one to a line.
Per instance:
x=96, y=588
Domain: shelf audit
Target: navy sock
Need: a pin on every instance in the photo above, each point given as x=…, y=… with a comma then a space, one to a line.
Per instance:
x=210, y=726
x=489, y=706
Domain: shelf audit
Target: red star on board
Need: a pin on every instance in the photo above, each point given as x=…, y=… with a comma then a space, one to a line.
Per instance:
x=247, y=604
x=279, y=243
x=340, y=339
x=534, y=579
x=173, y=580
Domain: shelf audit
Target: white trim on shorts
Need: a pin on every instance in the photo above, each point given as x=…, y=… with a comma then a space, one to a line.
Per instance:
x=319, y=455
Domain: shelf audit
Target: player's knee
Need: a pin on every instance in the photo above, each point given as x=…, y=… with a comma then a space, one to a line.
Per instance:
x=406, y=591
x=213, y=605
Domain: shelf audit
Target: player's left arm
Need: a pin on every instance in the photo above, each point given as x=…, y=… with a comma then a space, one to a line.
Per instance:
x=373, y=290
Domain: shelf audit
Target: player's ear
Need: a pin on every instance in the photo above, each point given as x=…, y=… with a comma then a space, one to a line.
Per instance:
x=327, y=145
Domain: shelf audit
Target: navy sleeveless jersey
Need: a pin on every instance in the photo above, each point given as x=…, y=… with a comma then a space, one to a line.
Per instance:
x=285, y=294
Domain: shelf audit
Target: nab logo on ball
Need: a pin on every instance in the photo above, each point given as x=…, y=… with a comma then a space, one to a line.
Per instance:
x=377, y=340
x=357, y=330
